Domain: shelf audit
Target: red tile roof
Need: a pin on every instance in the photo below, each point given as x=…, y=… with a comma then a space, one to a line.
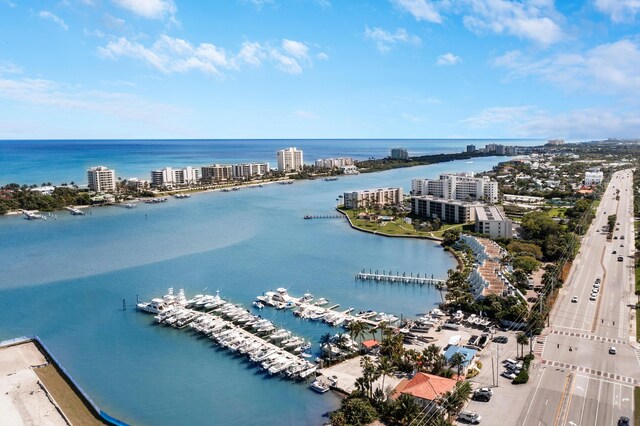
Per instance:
x=370, y=343
x=426, y=386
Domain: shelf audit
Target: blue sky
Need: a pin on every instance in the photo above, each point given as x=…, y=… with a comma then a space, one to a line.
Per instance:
x=319, y=69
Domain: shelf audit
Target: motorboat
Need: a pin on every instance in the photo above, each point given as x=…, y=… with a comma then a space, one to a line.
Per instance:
x=258, y=305
x=155, y=306
x=321, y=302
x=319, y=386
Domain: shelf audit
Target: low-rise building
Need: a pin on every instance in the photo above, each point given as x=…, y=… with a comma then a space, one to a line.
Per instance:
x=468, y=354
x=373, y=198
x=488, y=275
x=426, y=389
x=349, y=170
x=491, y=221
x=593, y=176
x=171, y=177
x=334, y=163
x=449, y=211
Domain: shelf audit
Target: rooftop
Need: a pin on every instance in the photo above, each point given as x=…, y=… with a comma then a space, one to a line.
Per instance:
x=468, y=353
x=485, y=213
x=426, y=386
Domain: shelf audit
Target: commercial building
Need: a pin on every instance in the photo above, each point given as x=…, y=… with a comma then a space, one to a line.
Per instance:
x=462, y=186
x=449, y=211
x=372, y=198
x=492, y=222
x=216, y=172
x=593, y=176
x=290, y=160
x=170, y=177
x=334, y=163
x=101, y=179
x=399, y=153
x=247, y=170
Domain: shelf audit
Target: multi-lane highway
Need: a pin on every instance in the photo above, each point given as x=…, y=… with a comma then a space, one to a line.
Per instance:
x=576, y=380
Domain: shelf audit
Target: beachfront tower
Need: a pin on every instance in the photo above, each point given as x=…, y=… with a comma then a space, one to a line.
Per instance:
x=290, y=160
x=101, y=179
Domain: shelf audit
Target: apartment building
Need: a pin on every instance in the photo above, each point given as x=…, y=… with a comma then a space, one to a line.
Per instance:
x=492, y=222
x=101, y=179
x=290, y=160
x=449, y=211
x=216, y=172
x=372, y=198
x=462, y=186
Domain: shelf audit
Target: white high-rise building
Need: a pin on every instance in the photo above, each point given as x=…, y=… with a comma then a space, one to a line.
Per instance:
x=370, y=198
x=463, y=186
x=101, y=179
x=172, y=177
x=334, y=163
x=217, y=172
x=290, y=160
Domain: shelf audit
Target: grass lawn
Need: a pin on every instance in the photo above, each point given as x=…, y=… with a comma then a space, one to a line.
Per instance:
x=395, y=227
x=557, y=212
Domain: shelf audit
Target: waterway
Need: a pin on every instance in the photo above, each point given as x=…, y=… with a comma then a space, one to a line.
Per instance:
x=66, y=279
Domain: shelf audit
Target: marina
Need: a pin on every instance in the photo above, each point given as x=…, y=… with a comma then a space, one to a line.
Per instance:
x=275, y=351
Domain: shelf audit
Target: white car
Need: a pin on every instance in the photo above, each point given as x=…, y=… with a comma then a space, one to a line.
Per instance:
x=613, y=350
x=593, y=297
x=595, y=289
x=508, y=374
x=469, y=416
x=574, y=299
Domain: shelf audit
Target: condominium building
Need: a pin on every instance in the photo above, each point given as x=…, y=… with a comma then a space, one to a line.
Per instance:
x=170, y=177
x=471, y=148
x=216, y=172
x=372, y=198
x=247, y=170
x=334, y=163
x=290, y=160
x=492, y=222
x=449, y=211
x=399, y=153
x=593, y=176
x=101, y=179
x=463, y=186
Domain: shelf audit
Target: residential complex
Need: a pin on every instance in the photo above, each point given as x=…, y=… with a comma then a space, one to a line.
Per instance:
x=216, y=173
x=372, y=198
x=399, y=154
x=492, y=222
x=593, y=176
x=449, y=211
x=290, y=160
x=248, y=170
x=101, y=179
x=170, y=177
x=488, y=276
x=462, y=186
x=334, y=163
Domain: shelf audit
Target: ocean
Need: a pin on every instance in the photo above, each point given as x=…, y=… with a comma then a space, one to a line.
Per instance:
x=66, y=279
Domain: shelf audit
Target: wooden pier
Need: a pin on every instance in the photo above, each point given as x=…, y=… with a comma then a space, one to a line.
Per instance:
x=403, y=278
x=323, y=216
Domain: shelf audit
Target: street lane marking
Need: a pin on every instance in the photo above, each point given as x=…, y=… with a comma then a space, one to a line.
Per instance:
x=589, y=336
x=562, y=399
x=615, y=377
x=534, y=398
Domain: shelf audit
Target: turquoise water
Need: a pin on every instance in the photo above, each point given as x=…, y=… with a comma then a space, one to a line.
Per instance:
x=65, y=280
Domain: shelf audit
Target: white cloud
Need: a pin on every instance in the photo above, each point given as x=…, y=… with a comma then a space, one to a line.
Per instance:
x=619, y=10
x=608, y=68
x=528, y=121
x=421, y=10
x=296, y=49
x=448, y=59
x=322, y=56
x=386, y=40
x=150, y=9
x=307, y=115
x=170, y=55
x=412, y=118
x=496, y=116
x=258, y=3
x=9, y=68
x=45, y=14
x=535, y=20
x=49, y=93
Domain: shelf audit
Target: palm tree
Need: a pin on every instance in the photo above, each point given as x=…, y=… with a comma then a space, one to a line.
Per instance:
x=522, y=340
x=457, y=361
x=385, y=367
x=356, y=330
x=325, y=342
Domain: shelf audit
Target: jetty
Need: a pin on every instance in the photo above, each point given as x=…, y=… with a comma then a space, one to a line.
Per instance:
x=74, y=211
x=323, y=216
x=399, y=278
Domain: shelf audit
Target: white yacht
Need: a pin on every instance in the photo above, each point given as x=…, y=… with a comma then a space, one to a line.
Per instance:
x=319, y=386
x=155, y=306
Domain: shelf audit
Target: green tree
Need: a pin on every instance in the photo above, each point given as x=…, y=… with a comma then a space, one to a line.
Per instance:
x=527, y=263
x=522, y=340
x=450, y=236
x=457, y=361
x=356, y=331
x=385, y=368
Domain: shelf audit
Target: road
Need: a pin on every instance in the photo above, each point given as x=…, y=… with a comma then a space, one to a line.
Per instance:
x=576, y=381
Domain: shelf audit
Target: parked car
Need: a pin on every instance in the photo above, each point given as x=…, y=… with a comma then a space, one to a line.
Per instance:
x=508, y=374
x=486, y=391
x=613, y=252
x=623, y=421
x=593, y=298
x=620, y=258
x=622, y=237
x=481, y=397
x=470, y=416
x=598, y=280
x=613, y=350
x=501, y=339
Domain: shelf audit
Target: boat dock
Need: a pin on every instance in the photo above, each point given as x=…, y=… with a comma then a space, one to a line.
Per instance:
x=323, y=216
x=399, y=278
x=32, y=215
x=74, y=211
